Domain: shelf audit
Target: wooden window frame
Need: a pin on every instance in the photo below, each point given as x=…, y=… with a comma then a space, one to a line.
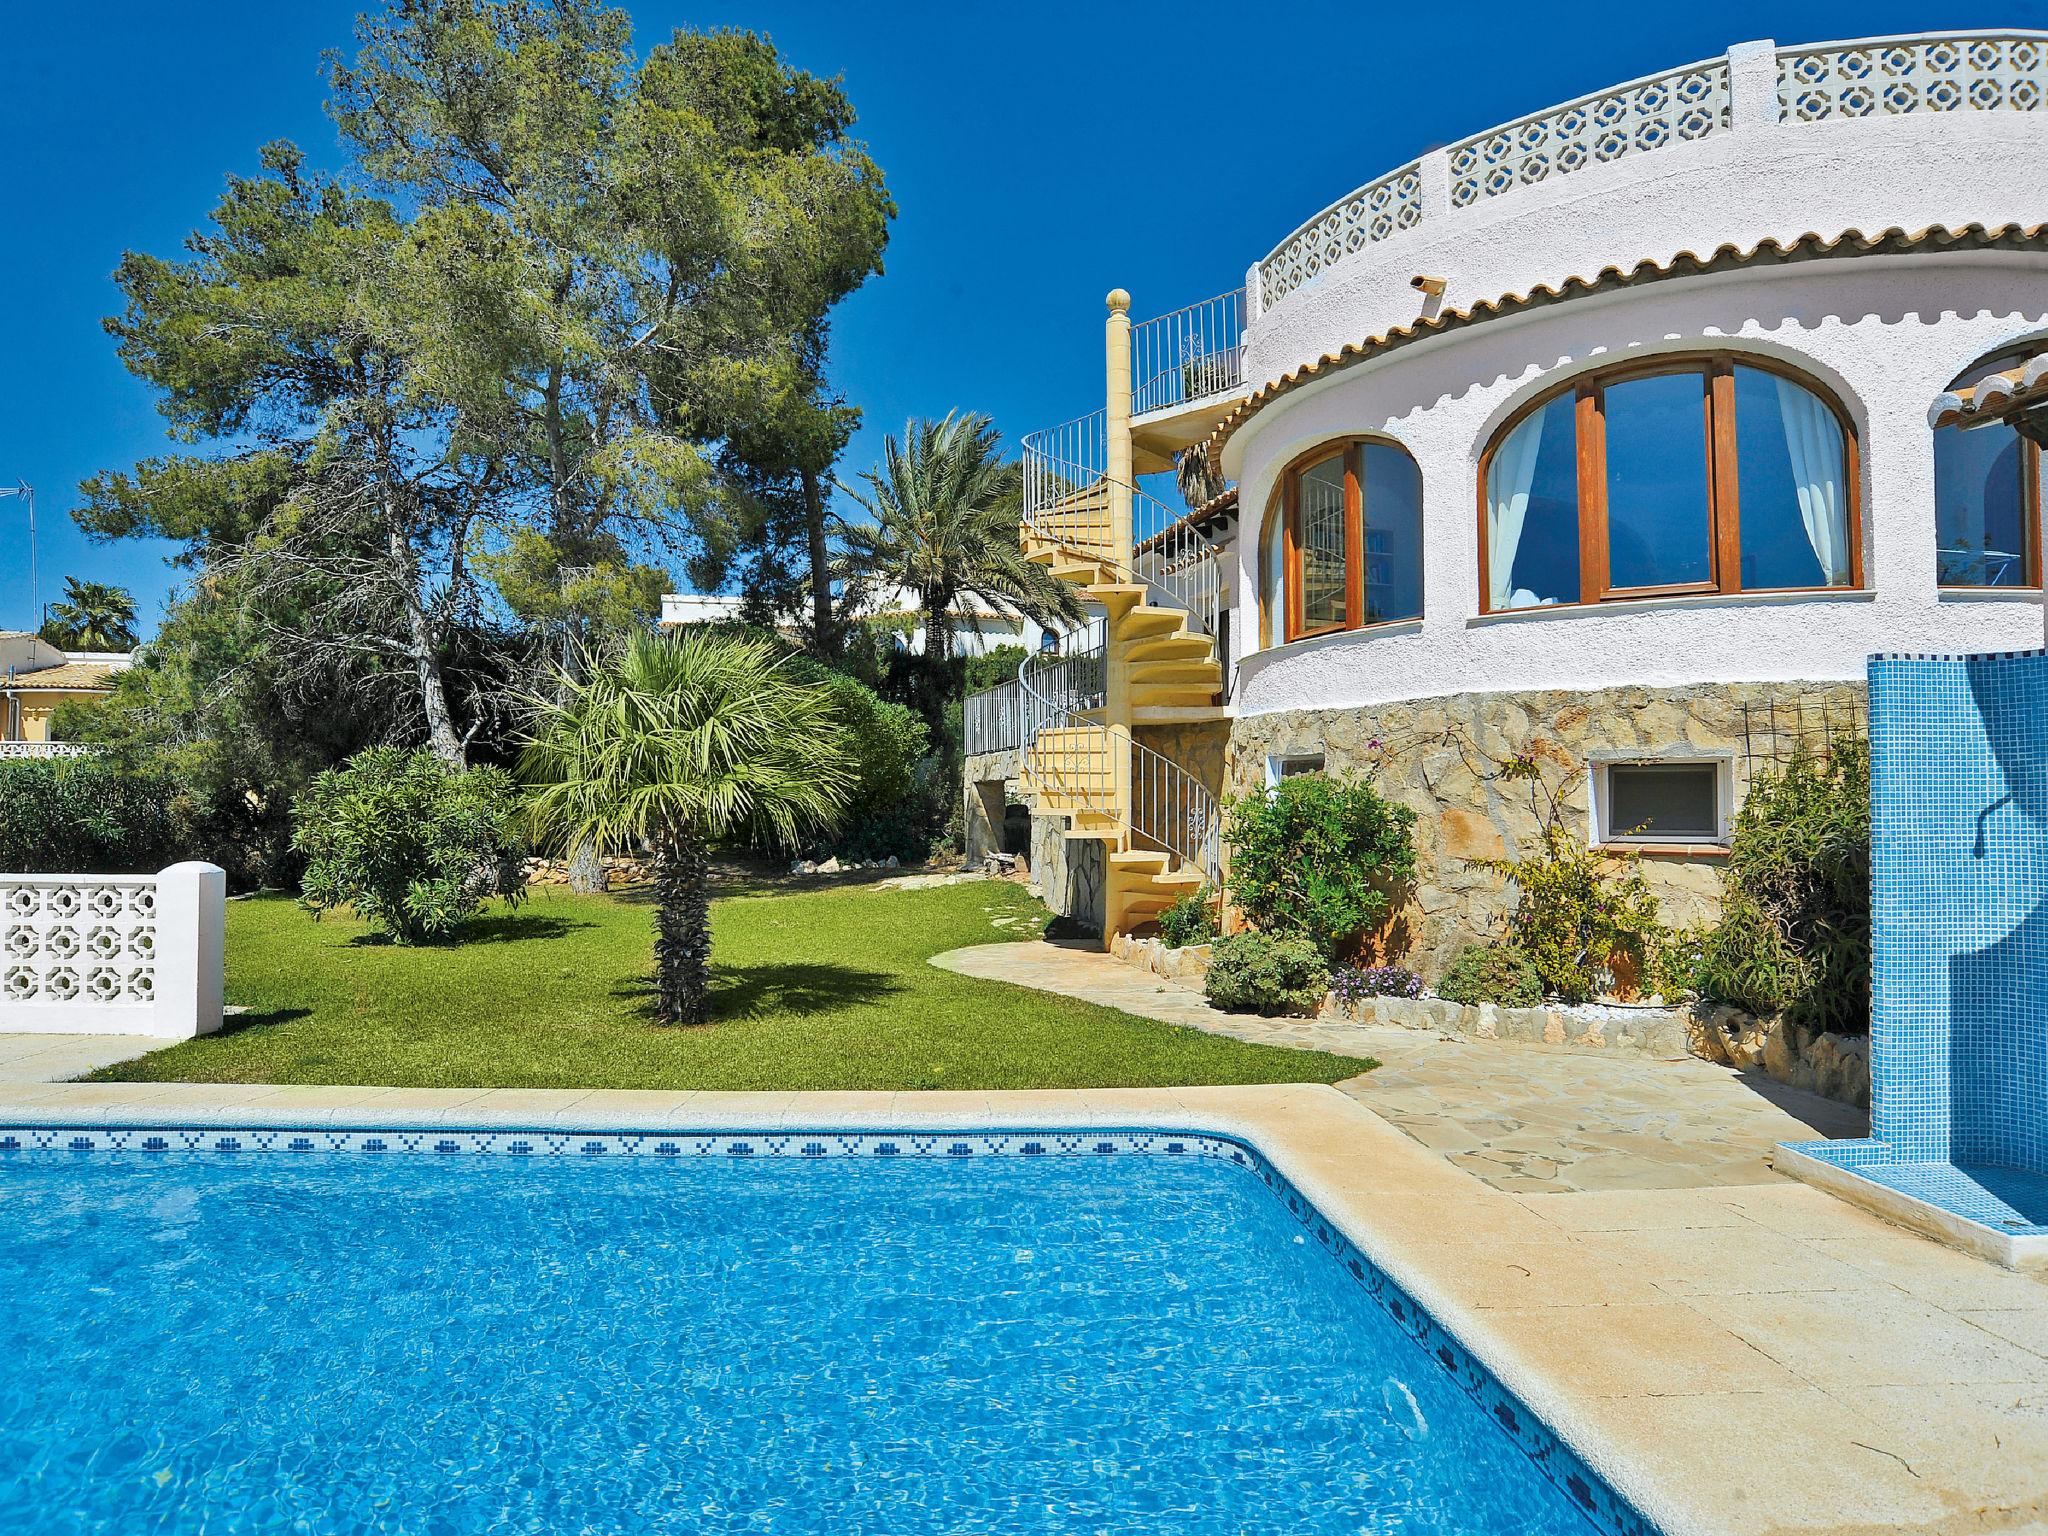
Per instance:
x=1724, y=511
x=1352, y=452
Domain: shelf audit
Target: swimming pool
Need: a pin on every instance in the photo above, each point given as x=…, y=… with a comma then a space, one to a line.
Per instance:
x=863, y=1333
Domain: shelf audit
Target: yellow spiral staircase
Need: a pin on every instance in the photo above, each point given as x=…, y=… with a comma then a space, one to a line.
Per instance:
x=1153, y=658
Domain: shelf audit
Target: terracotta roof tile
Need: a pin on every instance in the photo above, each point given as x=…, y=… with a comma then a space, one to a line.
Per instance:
x=1994, y=397
x=73, y=674
x=1811, y=246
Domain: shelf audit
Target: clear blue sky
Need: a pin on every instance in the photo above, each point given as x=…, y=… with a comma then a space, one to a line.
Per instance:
x=1040, y=154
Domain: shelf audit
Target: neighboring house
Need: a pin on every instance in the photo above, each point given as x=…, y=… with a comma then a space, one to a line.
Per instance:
x=1631, y=428
x=980, y=628
x=35, y=677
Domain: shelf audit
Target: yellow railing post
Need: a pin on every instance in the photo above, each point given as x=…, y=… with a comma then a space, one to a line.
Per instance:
x=1117, y=690
x=1118, y=347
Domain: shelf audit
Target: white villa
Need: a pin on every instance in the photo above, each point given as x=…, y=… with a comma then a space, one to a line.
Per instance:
x=982, y=628
x=1625, y=431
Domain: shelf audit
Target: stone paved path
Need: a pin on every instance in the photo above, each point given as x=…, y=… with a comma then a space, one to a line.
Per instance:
x=1525, y=1118
x=26, y=1058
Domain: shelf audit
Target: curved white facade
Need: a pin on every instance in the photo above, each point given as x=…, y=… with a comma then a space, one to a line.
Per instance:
x=1887, y=333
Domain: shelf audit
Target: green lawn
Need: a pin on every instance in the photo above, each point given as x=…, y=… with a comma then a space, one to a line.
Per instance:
x=818, y=989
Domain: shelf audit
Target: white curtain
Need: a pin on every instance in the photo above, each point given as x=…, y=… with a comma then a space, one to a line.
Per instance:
x=1814, y=439
x=1509, y=476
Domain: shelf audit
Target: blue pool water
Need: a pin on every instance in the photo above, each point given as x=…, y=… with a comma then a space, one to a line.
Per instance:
x=440, y=1346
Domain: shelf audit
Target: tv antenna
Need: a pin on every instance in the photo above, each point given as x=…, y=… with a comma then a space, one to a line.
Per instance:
x=27, y=493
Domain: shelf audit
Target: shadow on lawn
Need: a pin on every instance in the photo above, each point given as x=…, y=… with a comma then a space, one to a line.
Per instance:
x=500, y=928
x=743, y=991
x=258, y=1018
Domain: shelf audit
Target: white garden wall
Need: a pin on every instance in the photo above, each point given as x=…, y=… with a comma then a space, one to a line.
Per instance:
x=113, y=954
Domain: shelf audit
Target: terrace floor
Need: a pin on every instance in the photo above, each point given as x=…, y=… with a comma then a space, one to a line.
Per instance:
x=1527, y=1119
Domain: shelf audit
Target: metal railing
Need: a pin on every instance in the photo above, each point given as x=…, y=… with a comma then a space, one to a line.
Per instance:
x=993, y=719
x=1173, y=812
x=1081, y=765
x=1067, y=501
x=1189, y=355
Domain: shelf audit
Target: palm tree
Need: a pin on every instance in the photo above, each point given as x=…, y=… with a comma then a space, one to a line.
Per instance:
x=672, y=743
x=93, y=616
x=946, y=510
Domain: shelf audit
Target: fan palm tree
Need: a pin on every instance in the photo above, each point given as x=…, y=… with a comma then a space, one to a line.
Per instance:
x=673, y=743
x=946, y=509
x=93, y=616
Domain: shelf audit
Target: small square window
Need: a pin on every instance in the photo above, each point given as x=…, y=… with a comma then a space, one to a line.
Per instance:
x=1292, y=766
x=1660, y=802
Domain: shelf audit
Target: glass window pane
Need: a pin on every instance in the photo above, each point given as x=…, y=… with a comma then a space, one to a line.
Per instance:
x=1320, y=533
x=1791, y=468
x=1392, y=487
x=1980, y=514
x=1532, y=522
x=1275, y=560
x=1659, y=528
x=1663, y=802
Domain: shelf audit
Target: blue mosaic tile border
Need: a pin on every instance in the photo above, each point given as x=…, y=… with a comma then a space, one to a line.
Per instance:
x=1609, y=1512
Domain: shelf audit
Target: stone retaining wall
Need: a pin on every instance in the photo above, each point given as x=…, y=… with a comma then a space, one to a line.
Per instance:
x=1436, y=756
x=1834, y=1066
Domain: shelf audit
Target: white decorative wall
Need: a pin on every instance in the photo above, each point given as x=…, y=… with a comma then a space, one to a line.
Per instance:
x=113, y=954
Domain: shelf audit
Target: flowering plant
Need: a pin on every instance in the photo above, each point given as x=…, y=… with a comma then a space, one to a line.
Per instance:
x=1354, y=983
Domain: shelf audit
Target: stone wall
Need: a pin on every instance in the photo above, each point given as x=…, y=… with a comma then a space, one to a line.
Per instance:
x=1440, y=756
x=1069, y=871
x=987, y=776
x=1203, y=749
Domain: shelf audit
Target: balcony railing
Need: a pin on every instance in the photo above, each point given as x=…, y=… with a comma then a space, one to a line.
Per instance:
x=993, y=719
x=17, y=750
x=1192, y=354
x=1752, y=84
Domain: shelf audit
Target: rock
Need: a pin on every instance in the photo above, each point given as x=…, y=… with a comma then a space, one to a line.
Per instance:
x=892, y=862
x=798, y=867
x=830, y=867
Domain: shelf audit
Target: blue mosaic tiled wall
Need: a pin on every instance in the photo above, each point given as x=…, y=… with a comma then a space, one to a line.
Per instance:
x=1959, y=845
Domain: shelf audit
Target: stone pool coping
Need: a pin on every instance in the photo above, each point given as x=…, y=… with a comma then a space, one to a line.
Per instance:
x=1732, y=1360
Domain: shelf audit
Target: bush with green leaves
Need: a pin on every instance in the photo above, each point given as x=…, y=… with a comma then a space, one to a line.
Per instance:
x=891, y=810
x=1191, y=919
x=412, y=844
x=1317, y=858
x=1258, y=973
x=1794, y=935
x=86, y=815
x=1491, y=973
x=1580, y=913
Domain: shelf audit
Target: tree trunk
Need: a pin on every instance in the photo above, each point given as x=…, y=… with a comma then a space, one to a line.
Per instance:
x=824, y=630
x=423, y=642
x=682, y=932
x=586, y=870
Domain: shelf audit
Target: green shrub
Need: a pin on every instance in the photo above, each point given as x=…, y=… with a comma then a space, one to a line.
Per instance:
x=1579, y=913
x=1256, y=973
x=414, y=846
x=1315, y=858
x=89, y=815
x=1190, y=920
x=1677, y=963
x=1794, y=936
x=1491, y=973
x=891, y=810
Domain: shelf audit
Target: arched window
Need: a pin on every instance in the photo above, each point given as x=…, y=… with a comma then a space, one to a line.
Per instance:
x=1683, y=475
x=1987, y=495
x=1349, y=535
